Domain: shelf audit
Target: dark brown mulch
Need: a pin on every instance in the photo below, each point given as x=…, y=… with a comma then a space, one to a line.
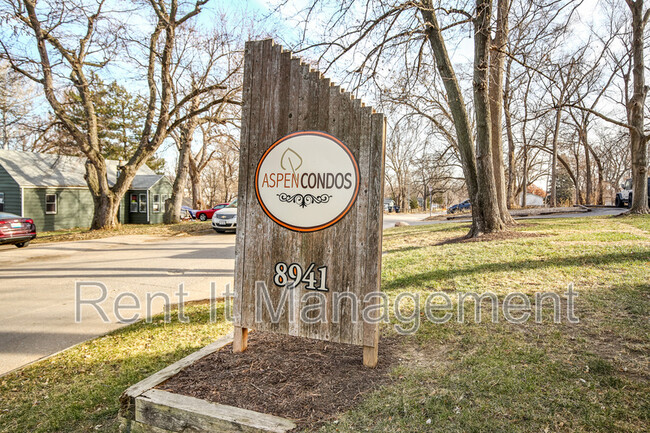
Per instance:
x=308, y=381
x=500, y=236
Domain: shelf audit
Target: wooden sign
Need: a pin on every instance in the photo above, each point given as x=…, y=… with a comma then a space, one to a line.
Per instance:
x=311, y=171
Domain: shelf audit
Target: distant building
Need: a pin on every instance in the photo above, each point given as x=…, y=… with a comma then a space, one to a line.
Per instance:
x=389, y=205
x=531, y=200
x=52, y=190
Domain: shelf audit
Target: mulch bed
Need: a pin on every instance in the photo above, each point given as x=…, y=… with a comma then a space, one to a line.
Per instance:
x=308, y=381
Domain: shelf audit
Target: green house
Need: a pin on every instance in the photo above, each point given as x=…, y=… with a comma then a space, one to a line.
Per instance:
x=52, y=190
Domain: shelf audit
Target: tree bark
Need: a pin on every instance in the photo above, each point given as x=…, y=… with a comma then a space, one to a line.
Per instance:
x=197, y=187
x=635, y=109
x=589, y=186
x=497, y=60
x=488, y=197
x=512, y=167
x=482, y=221
x=173, y=211
x=556, y=134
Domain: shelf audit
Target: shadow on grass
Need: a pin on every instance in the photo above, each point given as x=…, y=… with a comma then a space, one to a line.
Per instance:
x=522, y=265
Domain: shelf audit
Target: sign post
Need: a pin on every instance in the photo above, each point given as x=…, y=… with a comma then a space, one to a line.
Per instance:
x=309, y=230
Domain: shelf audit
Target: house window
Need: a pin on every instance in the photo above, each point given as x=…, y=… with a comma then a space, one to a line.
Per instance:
x=2, y=201
x=50, y=204
x=156, y=203
x=165, y=197
x=143, y=203
x=134, y=203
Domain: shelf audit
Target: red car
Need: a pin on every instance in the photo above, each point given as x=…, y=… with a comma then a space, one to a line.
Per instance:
x=16, y=230
x=205, y=215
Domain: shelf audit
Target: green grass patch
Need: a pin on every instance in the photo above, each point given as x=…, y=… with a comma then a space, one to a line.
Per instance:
x=592, y=376
x=493, y=377
x=78, y=390
x=164, y=230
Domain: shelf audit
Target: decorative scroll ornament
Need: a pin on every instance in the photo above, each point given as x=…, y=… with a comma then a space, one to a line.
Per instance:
x=304, y=200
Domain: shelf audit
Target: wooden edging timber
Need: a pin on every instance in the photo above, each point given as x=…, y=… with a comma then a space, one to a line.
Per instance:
x=148, y=410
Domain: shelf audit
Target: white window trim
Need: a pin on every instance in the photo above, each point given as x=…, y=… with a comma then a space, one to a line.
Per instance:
x=140, y=203
x=137, y=204
x=56, y=204
x=154, y=203
x=2, y=202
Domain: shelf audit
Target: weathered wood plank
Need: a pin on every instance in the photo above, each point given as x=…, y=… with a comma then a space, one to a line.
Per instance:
x=179, y=413
x=375, y=220
x=127, y=399
x=286, y=96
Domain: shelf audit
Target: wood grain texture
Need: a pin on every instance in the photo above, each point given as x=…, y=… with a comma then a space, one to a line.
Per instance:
x=282, y=95
x=180, y=413
x=127, y=399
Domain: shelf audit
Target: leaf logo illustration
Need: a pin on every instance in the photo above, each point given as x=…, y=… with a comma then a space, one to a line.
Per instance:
x=290, y=159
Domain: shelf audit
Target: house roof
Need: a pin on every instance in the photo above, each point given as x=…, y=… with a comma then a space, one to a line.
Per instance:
x=31, y=169
x=145, y=181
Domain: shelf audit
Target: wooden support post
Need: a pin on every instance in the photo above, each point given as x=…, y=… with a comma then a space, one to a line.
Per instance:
x=370, y=345
x=370, y=356
x=240, y=339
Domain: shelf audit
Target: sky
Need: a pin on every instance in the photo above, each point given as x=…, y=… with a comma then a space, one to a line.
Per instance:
x=282, y=23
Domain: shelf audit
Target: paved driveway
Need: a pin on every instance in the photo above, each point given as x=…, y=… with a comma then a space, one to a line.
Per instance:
x=37, y=286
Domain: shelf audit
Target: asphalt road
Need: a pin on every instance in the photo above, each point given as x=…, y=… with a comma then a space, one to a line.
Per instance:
x=37, y=286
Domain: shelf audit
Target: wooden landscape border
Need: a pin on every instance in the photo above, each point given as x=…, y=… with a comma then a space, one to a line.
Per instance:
x=144, y=409
x=283, y=95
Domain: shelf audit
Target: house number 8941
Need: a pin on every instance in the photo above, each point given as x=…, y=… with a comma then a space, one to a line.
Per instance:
x=292, y=275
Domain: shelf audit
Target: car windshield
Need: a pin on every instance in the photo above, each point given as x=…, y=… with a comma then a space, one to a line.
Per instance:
x=7, y=215
x=232, y=205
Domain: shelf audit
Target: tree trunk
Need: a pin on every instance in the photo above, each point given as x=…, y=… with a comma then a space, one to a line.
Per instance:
x=496, y=62
x=106, y=204
x=197, y=188
x=524, y=178
x=638, y=140
x=589, y=186
x=486, y=176
x=512, y=168
x=173, y=211
x=600, y=198
x=556, y=133
x=482, y=221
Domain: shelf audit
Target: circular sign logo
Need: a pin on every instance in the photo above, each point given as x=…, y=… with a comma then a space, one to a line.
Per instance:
x=307, y=181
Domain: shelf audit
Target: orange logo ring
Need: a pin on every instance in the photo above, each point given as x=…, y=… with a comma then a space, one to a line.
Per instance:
x=321, y=226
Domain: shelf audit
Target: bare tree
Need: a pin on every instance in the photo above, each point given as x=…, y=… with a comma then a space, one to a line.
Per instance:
x=199, y=61
x=631, y=68
x=74, y=39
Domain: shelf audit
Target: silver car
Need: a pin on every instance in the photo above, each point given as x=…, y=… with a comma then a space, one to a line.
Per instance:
x=225, y=219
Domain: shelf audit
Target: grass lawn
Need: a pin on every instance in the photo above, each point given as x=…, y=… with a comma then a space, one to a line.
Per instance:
x=592, y=376
x=79, y=234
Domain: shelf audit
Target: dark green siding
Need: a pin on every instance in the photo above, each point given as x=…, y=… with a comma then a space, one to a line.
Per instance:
x=11, y=191
x=136, y=217
x=74, y=208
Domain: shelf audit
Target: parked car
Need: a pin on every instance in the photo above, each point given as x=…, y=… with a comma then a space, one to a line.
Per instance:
x=16, y=230
x=186, y=210
x=624, y=197
x=205, y=215
x=466, y=205
x=225, y=219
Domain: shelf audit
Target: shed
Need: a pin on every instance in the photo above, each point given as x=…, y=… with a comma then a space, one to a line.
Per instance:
x=51, y=189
